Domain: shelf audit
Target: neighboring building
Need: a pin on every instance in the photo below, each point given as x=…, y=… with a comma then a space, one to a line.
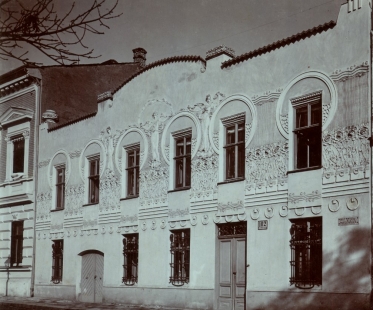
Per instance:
x=19, y=97
x=24, y=93
x=226, y=183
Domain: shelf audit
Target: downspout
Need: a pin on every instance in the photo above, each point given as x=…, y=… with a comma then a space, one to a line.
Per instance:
x=38, y=83
x=370, y=102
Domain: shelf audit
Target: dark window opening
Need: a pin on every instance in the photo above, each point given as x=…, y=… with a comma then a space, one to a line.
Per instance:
x=235, y=151
x=133, y=172
x=16, y=244
x=131, y=258
x=308, y=119
x=180, y=249
x=306, y=253
x=60, y=188
x=183, y=150
x=18, y=155
x=57, y=261
x=229, y=230
x=94, y=180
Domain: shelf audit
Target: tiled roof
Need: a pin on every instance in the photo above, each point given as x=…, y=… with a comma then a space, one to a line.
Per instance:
x=76, y=120
x=268, y=48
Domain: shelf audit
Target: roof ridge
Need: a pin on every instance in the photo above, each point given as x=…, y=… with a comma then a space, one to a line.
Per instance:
x=280, y=43
x=75, y=120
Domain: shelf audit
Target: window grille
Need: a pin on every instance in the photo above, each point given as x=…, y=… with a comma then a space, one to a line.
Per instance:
x=182, y=161
x=133, y=171
x=60, y=187
x=57, y=261
x=18, y=154
x=308, y=118
x=131, y=257
x=306, y=253
x=16, y=244
x=232, y=229
x=94, y=180
x=180, y=249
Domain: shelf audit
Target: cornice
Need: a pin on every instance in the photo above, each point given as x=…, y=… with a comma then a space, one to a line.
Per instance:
x=281, y=43
x=17, y=87
x=76, y=120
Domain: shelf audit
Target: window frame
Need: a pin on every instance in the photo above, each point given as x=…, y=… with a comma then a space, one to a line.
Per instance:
x=239, y=164
x=57, y=261
x=130, y=259
x=135, y=168
x=92, y=179
x=59, y=205
x=16, y=247
x=180, y=272
x=309, y=136
x=186, y=165
x=303, y=245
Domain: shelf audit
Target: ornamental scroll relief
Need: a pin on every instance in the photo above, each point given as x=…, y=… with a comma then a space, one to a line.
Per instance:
x=109, y=192
x=44, y=203
x=74, y=199
x=346, y=148
x=204, y=178
x=154, y=186
x=266, y=163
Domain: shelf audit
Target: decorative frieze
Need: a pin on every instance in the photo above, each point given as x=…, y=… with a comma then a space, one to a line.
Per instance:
x=268, y=96
x=44, y=163
x=266, y=165
x=75, y=154
x=178, y=213
x=303, y=196
x=109, y=192
x=154, y=186
x=74, y=199
x=204, y=178
x=345, y=153
x=350, y=72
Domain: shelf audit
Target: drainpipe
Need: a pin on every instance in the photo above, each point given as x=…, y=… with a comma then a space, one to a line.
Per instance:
x=370, y=102
x=38, y=84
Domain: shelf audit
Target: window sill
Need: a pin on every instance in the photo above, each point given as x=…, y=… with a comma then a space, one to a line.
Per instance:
x=129, y=197
x=179, y=189
x=231, y=181
x=16, y=269
x=304, y=169
x=90, y=204
x=56, y=210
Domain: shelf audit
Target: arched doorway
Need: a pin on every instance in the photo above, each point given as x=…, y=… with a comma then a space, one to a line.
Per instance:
x=92, y=276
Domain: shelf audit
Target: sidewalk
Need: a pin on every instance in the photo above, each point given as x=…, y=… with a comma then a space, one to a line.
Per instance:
x=36, y=303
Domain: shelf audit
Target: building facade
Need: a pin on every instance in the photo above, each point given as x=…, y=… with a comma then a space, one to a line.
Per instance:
x=19, y=97
x=231, y=182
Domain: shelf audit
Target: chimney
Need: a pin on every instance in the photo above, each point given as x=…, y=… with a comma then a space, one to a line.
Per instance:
x=139, y=56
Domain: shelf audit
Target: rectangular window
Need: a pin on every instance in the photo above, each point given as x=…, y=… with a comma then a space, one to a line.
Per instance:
x=235, y=149
x=57, y=261
x=306, y=252
x=307, y=130
x=94, y=180
x=16, y=243
x=131, y=258
x=180, y=249
x=133, y=171
x=183, y=150
x=60, y=187
x=18, y=154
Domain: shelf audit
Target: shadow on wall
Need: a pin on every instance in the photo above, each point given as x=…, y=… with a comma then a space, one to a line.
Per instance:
x=346, y=277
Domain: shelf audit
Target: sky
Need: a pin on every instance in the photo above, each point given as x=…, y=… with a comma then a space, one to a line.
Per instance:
x=167, y=28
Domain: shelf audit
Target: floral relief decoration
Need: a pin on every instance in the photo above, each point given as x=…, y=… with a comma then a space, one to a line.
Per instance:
x=154, y=186
x=74, y=199
x=109, y=191
x=44, y=203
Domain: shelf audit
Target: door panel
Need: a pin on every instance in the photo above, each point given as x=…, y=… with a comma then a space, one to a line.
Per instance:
x=92, y=277
x=232, y=274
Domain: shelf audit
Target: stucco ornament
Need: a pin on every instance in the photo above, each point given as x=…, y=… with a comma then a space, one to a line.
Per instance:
x=283, y=211
x=346, y=147
x=154, y=186
x=230, y=211
x=266, y=163
x=44, y=203
x=74, y=199
x=204, y=112
x=109, y=192
x=109, y=140
x=352, y=203
x=204, y=178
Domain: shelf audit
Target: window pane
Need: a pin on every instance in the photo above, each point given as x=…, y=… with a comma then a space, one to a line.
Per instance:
x=230, y=162
x=188, y=145
x=241, y=161
x=131, y=159
x=301, y=117
x=60, y=175
x=230, y=135
x=131, y=182
x=137, y=179
x=188, y=171
x=315, y=114
x=241, y=132
x=18, y=155
x=302, y=151
x=179, y=172
x=179, y=147
x=315, y=148
x=137, y=157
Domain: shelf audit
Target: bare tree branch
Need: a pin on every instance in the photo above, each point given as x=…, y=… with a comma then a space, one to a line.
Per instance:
x=40, y=26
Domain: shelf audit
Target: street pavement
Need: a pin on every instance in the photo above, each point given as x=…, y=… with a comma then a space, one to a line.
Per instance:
x=55, y=303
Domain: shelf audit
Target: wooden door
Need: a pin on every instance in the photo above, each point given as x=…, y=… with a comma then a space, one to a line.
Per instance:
x=92, y=277
x=232, y=274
